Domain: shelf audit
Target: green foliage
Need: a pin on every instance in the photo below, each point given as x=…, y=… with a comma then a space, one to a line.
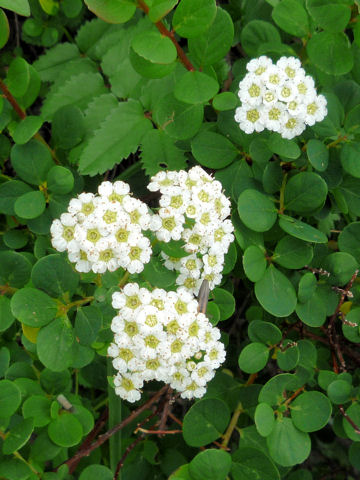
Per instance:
x=120, y=89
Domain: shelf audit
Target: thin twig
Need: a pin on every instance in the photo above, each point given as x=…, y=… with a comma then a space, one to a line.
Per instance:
x=348, y=419
x=126, y=453
x=22, y=114
x=170, y=34
x=90, y=437
x=333, y=338
x=103, y=438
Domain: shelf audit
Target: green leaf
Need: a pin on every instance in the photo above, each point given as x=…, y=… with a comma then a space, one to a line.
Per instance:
x=354, y=413
x=253, y=357
x=154, y=47
x=318, y=154
x=333, y=15
x=179, y=120
x=301, y=230
x=88, y=322
x=250, y=463
x=158, y=152
x=10, y=398
x=331, y=53
x=78, y=90
x=205, y=421
x=291, y=17
x=20, y=7
x=55, y=344
x=9, y=192
x=54, y=275
x=264, y=419
x=33, y=307
x=310, y=411
x=254, y=263
x=32, y=91
x=60, y=180
x=112, y=11
x=210, y=464
x=312, y=312
x=213, y=45
x=4, y=29
x=352, y=121
x=30, y=205
x=213, y=150
x=68, y=127
x=18, y=436
x=65, y=430
x=264, y=332
x=256, y=33
x=256, y=210
x=6, y=317
x=283, y=147
x=148, y=69
x=18, y=76
x=37, y=407
x=292, y=253
x=341, y=266
x=119, y=135
x=96, y=472
x=225, y=101
x=31, y=162
x=195, y=87
x=289, y=356
x=157, y=274
x=50, y=65
x=4, y=360
x=26, y=129
x=287, y=445
x=15, y=269
x=348, y=240
x=193, y=17
x=275, y=293
x=349, y=156
x=225, y=301
x=339, y=391
x=160, y=8
x=15, y=239
x=272, y=391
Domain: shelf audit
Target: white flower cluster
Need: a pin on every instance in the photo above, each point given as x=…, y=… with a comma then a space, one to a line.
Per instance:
x=193, y=209
x=104, y=232
x=281, y=98
x=161, y=336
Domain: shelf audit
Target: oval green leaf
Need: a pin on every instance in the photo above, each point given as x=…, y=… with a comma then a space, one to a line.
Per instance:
x=253, y=357
x=256, y=210
x=213, y=150
x=310, y=411
x=205, y=422
x=210, y=464
x=33, y=307
x=276, y=293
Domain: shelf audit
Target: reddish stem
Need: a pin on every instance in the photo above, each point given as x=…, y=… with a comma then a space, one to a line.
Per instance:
x=170, y=34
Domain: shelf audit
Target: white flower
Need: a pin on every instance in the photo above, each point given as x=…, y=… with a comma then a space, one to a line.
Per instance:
x=250, y=118
x=290, y=65
x=251, y=90
x=258, y=66
x=275, y=116
x=292, y=128
x=316, y=110
x=171, y=225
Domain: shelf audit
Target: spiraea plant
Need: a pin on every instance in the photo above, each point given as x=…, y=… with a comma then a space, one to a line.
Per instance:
x=179, y=249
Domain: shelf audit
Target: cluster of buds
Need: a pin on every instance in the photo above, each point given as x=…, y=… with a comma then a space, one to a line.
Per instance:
x=161, y=336
x=279, y=97
x=193, y=209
